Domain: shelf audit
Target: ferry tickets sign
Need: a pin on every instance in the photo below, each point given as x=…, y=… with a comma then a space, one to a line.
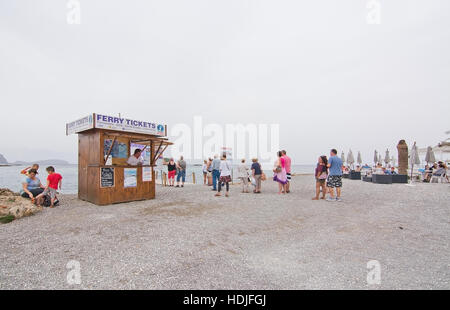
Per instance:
x=115, y=123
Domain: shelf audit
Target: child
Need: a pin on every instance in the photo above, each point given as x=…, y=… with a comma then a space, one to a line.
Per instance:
x=25, y=171
x=53, y=183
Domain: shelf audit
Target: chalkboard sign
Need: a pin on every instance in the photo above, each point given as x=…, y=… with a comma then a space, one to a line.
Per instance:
x=107, y=177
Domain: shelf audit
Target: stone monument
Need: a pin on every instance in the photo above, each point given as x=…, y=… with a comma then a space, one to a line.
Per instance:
x=402, y=148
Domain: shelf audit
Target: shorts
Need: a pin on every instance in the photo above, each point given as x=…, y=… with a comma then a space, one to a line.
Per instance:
x=50, y=191
x=171, y=174
x=181, y=175
x=321, y=181
x=288, y=176
x=334, y=181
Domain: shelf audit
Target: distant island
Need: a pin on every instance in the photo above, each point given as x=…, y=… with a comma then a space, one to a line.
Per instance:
x=42, y=162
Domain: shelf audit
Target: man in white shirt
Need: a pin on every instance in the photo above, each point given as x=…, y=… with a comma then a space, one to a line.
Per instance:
x=136, y=158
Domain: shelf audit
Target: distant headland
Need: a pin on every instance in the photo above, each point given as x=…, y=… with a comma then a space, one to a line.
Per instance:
x=42, y=162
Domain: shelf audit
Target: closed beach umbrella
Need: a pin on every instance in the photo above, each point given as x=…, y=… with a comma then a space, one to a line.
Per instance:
x=359, y=159
x=387, y=158
x=350, y=158
x=429, y=157
x=414, y=158
x=379, y=158
x=393, y=161
x=375, y=157
x=343, y=157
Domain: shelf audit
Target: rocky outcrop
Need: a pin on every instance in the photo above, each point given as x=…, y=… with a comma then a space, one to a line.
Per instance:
x=12, y=204
x=3, y=160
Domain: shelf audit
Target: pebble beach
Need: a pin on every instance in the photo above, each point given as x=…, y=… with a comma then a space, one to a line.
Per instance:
x=188, y=239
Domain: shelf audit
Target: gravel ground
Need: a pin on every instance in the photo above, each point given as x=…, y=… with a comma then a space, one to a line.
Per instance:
x=189, y=239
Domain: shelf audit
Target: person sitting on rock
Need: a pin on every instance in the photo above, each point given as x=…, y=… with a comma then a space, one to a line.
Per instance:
x=31, y=186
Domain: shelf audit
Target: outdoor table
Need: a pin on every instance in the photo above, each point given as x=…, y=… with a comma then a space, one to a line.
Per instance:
x=355, y=175
x=382, y=178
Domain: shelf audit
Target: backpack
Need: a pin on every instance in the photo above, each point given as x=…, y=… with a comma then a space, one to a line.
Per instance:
x=47, y=201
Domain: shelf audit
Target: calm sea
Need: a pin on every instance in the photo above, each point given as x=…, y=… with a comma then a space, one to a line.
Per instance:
x=11, y=178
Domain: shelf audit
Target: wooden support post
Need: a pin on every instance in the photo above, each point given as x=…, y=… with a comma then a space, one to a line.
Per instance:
x=155, y=156
x=165, y=179
x=193, y=177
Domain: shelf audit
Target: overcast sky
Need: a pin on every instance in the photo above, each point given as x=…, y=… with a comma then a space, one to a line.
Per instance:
x=317, y=68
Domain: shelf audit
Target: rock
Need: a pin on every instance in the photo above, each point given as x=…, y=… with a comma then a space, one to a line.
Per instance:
x=3, y=160
x=13, y=204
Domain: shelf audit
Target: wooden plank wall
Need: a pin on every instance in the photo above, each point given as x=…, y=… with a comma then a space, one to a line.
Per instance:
x=90, y=161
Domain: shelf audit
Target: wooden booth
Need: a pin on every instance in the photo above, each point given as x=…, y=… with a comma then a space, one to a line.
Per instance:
x=104, y=145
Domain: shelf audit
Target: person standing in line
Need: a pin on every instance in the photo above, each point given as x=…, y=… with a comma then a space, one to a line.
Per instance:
x=243, y=175
x=280, y=173
x=334, y=179
x=256, y=173
x=225, y=175
x=181, y=168
x=171, y=171
x=209, y=174
x=287, y=162
x=205, y=171
x=215, y=172
x=321, y=175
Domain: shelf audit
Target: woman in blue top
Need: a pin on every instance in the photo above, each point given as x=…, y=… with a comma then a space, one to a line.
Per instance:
x=31, y=187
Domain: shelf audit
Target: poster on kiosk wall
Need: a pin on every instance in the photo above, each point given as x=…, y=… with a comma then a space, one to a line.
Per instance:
x=130, y=177
x=146, y=174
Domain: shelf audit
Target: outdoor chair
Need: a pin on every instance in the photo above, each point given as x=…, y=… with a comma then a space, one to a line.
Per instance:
x=436, y=178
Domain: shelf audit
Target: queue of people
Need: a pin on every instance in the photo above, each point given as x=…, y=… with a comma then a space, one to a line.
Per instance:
x=219, y=172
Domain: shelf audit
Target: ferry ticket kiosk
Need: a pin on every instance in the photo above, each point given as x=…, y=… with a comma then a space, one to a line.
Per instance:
x=104, y=145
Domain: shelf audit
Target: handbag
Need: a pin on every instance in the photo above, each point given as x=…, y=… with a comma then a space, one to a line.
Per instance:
x=323, y=176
